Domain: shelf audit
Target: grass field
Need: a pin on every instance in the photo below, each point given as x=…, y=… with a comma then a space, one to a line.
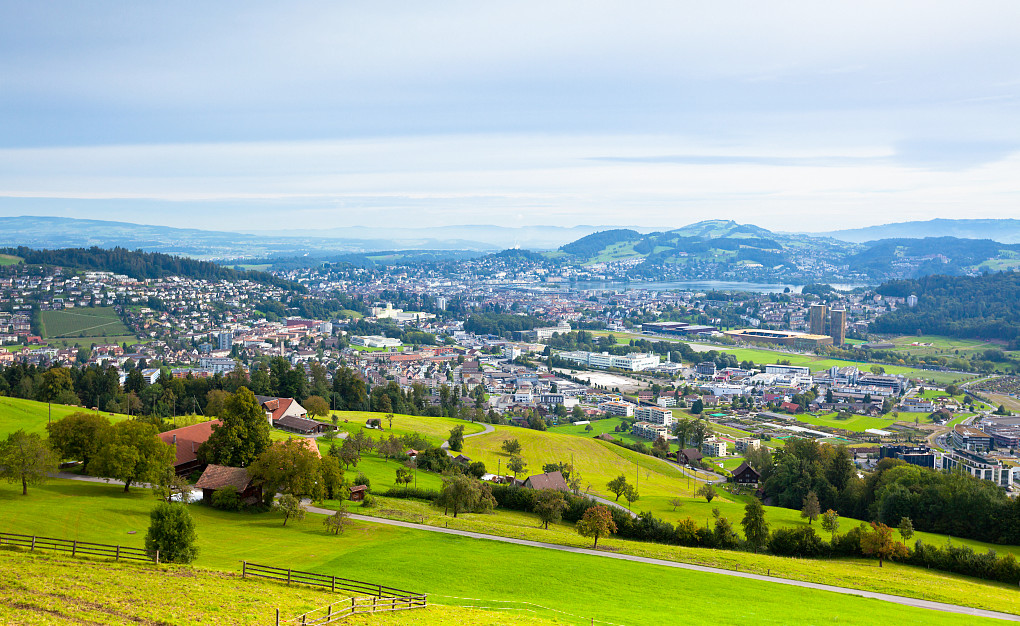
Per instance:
x=9, y=259
x=32, y=416
x=435, y=429
x=84, y=326
x=456, y=570
x=40, y=588
x=856, y=423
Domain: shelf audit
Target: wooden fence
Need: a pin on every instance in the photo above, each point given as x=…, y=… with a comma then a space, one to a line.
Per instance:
x=345, y=608
x=380, y=597
x=333, y=583
x=77, y=548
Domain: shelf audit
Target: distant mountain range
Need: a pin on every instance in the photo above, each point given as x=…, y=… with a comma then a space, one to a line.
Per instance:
x=62, y=232
x=1003, y=231
x=713, y=249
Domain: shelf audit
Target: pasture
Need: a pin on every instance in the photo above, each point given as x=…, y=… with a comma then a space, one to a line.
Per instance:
x=84, y=326
x=32, y=416
x=456, y=570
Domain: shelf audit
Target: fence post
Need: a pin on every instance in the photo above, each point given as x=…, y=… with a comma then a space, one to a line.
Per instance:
x=117, y=558
x=74, y=547
x=33, y=544
x=380, y=591
x=277, y=617
x=352, y=605
x=288, y=576
x=329, y=613
x=244, y=568
x=157, y=557
x=334, y=584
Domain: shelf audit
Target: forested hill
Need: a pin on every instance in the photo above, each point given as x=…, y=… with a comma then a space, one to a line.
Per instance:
x=986, y=307
x=142, y=265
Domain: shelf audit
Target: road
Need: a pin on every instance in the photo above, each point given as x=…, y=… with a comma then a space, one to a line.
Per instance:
x=914, y=602
x=488, y=429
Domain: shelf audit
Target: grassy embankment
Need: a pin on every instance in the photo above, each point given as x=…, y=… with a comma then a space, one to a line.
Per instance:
x=33, y=416
x=455, y=570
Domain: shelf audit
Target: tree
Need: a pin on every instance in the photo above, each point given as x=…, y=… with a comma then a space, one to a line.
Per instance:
x=289, y=467
x=169, y=484
x=389, y=418
x=676, y=502
x=171, y=534
x=516, y=464
x=26, y=458
x=879, y=542
x=336, y=522
x=347, y=453
x=830, y=521
x=290, y=506
x=390, y=447
x=631, y=494
x=707, y=491
x=596, y=522
x=460, y=493
x=683, y=429
x=215, y=402
x=242, y=435
x=877, y=369
x=697, y=407
x=549, y=506
x=78, y=436
x=618, y=486
x=316, y=406
x=404, y=477
x=57, y=386
x=811, y=509
x=132, y=452
x=456, y=439
x=511, y=446
x=756, y=529
x=906, y=528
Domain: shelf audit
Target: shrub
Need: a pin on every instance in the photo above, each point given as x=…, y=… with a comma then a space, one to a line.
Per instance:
x=171, y=534
x=413, y=493
x=363, y=480
x=798, y=541
x=849, y=544
x=368, y=502
x=226, y=499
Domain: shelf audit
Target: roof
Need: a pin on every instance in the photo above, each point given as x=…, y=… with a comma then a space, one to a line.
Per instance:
x=692, y=454
x=219, y=476
x=549, y=480
x=309, y=443
x=188, y=439
x=297, y=423
x=968, y=431
x=357, y=488
x=745, y=467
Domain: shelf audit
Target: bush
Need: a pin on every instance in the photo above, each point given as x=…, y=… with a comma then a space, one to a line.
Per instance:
x=963, y=560
x=798, y=541
x=849, y=544
x=363, y=480
x=171, y=534
x=226, y=499
x=368, y=502
x=413, y=493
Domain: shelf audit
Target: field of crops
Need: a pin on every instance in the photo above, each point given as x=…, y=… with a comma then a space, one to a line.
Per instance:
x=84, y=326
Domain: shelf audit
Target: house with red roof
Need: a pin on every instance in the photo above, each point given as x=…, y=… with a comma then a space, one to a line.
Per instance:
x=186, y=440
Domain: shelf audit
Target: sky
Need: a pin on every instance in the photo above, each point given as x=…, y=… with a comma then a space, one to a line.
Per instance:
x=795, y=116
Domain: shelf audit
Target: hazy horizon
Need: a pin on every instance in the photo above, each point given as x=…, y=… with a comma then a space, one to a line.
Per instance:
x=792, y=116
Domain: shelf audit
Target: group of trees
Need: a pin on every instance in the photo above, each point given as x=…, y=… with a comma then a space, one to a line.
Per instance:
x=824, y=476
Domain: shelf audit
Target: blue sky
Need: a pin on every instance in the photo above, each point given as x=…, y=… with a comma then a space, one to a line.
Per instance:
x=790, y=115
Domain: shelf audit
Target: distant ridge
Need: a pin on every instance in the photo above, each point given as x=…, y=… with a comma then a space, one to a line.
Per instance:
x=1001, y=230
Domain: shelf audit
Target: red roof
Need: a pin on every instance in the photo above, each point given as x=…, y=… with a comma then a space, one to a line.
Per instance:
x=188, y=438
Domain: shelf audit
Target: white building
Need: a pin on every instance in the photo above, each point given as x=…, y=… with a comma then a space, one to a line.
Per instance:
x=654, y=414
x=216, y=365
x=650, y=431
x=747, y=443
x=715, y=447
x=375, y=341
x=630, y=362
x=618, y=408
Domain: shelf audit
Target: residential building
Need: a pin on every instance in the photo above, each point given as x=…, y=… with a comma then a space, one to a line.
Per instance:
x=617, y=408
x=817, y=319
x=744, y=444
x=837, y=326
x=715, y=447
x=651, y=431
x=654, y=414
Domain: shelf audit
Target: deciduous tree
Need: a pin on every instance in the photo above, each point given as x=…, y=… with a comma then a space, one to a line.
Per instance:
x=172, y=533
x=618, y=486
x=596, y=522
x=830, y=521
x=511, y=446
x=811, y=509
x=132, y=452
x=756, y=529
x=707, y=491
x=289, y=467
x=879, y=542
x=78, y=436
x=243, y=434
x=549, y=506
x=291, y=508
x=456, y=439
x=26, y=458
x=316, y=406
x=516, y=464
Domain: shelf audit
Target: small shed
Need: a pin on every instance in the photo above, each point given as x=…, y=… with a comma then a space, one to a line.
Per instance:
x=358, y=493
x=218, y=476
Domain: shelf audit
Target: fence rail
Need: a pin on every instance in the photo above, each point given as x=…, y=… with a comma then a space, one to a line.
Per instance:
x=77, y=548
x=333, y=583
x=345, y=608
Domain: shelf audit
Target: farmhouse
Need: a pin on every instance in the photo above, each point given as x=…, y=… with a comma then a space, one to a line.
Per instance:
x=549, y=480
x=186, y=440
x=218, y=476
x=689, y=456
x=287, y=414
x=746, y=475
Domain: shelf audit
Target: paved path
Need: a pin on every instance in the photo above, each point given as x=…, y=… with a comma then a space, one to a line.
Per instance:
x=914, y=602
x=488, y=429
